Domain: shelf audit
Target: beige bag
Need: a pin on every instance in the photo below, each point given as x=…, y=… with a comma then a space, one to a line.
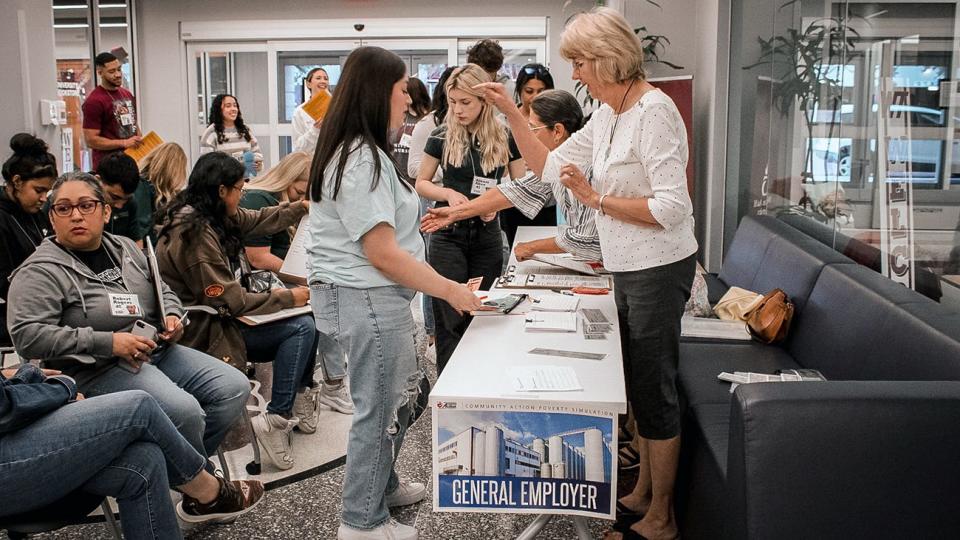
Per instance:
x=736, y=304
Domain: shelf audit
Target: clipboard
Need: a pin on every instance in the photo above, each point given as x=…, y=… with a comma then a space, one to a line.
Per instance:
x=156, y=279
x=149, y=142
x=317, y=106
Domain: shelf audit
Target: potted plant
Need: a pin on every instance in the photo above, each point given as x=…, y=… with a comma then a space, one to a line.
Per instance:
x=799, y=59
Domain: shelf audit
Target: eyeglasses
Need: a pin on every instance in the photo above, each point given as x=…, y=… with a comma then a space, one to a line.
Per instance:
x=66, y=210
x=535, y=128
x=536, y=70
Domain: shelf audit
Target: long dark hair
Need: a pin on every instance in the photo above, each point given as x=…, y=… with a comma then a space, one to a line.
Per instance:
x=202, y=195
x=532, y=72
x=419, y=97
x=31, y=159
x=440, y=104
x=360, y=109
x=216, y=118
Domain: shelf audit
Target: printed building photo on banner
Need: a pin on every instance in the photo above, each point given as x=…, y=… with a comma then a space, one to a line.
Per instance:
x=535, y=462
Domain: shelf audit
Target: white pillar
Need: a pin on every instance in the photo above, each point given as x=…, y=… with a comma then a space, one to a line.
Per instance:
x=593, y=458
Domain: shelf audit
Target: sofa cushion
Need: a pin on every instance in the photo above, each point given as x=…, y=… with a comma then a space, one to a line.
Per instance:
x=712, y=421
x=715, y=288
x=859, y=325
x=702, y=361
x=790, y=260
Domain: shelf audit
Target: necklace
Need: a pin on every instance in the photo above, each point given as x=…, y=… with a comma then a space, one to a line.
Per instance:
x=617, y=119
x=27, y=235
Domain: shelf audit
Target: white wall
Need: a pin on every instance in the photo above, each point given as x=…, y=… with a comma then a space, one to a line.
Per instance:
x=29, y=70
x=164, y=110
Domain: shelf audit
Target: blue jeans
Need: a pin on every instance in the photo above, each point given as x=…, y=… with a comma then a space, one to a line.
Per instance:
x=120, y=445
x=202, y=395
x=374, y=329
x=292, y=346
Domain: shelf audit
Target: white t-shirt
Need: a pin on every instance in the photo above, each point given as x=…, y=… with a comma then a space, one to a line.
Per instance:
x=418, y=141
x=647, y=158
x=304, y=134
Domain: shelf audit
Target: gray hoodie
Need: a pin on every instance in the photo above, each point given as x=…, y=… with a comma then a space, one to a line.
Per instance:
x=58, y=306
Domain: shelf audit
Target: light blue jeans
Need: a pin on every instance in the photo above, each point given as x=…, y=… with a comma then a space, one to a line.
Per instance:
x=202, y=395
x=374, y=329
x=120, y=445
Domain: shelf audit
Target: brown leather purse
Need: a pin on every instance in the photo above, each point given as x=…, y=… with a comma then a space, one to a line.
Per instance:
x=769, y=322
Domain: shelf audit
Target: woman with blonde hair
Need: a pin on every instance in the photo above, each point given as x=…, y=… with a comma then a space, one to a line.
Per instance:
x=165, y=167
x=287, y=182
x=163, y=173
x=636, y=145
x=475, y=150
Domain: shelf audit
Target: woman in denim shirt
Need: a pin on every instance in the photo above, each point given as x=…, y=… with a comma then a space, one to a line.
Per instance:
x=365, y=263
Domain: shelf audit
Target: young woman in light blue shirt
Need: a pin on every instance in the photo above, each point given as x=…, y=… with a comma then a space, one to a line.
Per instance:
x=366, y=261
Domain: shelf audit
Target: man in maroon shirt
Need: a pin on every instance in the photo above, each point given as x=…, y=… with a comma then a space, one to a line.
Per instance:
x=109, y=112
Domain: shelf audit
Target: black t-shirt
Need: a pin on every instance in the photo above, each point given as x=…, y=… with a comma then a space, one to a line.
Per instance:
x=460, y=178
x=100, y=261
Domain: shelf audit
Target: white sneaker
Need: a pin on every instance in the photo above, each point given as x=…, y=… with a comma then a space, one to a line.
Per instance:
x=337, y=397
x=273, y=434
x=390, y=530
x=407, y=493
x=306, y=407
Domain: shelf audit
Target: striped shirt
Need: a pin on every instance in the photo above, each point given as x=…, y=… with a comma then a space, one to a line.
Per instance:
x=579, y=236
x=234, y=145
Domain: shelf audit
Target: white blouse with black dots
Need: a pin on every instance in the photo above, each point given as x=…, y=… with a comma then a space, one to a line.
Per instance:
x=648, y=158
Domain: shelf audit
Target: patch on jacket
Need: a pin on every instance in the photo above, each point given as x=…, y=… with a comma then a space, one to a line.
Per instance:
x=213, y=291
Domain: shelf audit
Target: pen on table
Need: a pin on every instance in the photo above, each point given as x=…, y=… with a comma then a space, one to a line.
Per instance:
x=559, y=291
x=483, y=297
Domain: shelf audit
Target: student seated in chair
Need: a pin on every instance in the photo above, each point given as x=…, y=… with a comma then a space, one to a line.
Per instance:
x=82, y=293
x=199, y=252
x=120, y=445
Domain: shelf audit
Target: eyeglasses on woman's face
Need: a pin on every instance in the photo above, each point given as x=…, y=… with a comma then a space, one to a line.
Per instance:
x=85, y=207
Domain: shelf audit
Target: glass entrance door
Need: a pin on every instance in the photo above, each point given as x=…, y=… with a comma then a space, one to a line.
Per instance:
x=239, y=69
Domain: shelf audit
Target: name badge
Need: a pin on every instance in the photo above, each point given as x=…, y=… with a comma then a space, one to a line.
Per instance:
x=405, y=140
x=126, y=119
x=125, y=305
x=481, y=184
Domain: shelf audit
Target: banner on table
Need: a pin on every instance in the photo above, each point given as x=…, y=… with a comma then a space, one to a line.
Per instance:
x=539, y=459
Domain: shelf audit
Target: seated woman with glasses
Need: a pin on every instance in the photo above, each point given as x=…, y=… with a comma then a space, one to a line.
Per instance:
x=532, y=80
x=120, y=445
x=84, y=303
x=554, y=116
x=199, y=256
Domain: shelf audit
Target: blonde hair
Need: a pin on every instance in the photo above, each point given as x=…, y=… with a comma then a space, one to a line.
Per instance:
x=490, y=133
x=166, y=168
x=604, y=37
x=292, y=167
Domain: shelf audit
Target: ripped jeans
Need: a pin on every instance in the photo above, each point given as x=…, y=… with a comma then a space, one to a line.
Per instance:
x=374, y=329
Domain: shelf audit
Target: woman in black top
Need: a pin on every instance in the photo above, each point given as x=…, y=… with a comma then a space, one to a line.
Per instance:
x=28, y=176
x=475, y=151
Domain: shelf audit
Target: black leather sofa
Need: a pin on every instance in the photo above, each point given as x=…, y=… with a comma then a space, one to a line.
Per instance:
x=874, y=452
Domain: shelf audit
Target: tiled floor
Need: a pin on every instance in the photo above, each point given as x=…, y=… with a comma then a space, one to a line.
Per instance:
x=310, y=507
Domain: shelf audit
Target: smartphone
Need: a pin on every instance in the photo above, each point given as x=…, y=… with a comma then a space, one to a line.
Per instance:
x=145, y=329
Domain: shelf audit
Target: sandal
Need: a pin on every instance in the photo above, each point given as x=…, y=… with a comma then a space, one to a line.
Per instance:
x=628, y=458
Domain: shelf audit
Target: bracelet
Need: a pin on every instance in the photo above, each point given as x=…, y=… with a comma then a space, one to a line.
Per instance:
x=600, y=205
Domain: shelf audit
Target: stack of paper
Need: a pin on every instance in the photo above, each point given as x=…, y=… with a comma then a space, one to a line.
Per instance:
x=563, y=261
x=555, y=302
x=595, y=322
x=703, y=327
x=550, y=321
x=294, y=268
